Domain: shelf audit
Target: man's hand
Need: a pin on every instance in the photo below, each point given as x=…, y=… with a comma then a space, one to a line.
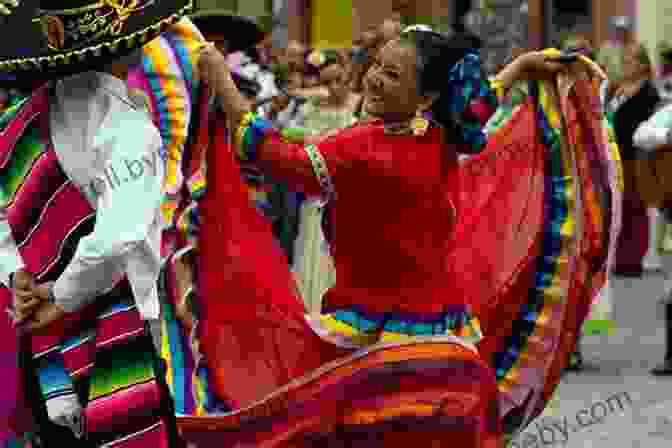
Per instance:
x=30, y=297
x=46, y=314
x=25, y=301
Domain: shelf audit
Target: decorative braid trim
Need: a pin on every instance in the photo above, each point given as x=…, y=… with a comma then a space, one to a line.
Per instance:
x=321, y=172
x=135, y=39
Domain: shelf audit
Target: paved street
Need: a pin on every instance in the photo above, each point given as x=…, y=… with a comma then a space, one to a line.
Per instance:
x=615, y=402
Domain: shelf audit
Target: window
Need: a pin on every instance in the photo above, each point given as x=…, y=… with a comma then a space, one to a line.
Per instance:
x=563, y=17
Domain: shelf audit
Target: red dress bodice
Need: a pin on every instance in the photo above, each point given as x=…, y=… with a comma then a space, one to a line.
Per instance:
x=392, y=215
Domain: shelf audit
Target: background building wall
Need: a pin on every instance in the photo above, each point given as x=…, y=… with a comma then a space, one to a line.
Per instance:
x=503, y=26
x=331, y=23
x=368, y=13
x=654, y=23
x=606, y=9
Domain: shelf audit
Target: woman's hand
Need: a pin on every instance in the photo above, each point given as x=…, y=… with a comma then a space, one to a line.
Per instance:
x=211, y=64
x=532, y=65
x=540, y=63
x=214, y=71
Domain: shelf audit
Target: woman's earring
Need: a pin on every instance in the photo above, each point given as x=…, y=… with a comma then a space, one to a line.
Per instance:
x=419, y=124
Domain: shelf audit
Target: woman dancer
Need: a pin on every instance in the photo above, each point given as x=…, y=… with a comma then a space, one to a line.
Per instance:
x=394, y=184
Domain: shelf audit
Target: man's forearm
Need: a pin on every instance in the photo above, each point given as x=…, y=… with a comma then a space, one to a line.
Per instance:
x=83, y=280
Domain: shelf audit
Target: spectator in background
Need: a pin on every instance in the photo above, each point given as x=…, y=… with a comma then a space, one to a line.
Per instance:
x=580, y=43
x=301, y=74
x=368, y=45
x=313, y=264
x=390, y=29
x=610, y=55
x=650, y=137
x=361, y=57
x=632, y=102
x=665, y=79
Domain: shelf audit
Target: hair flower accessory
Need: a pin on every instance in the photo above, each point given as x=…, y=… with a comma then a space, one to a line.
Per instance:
x=317, y=58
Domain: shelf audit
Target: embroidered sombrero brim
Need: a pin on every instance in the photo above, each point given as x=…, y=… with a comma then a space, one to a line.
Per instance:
x=85, y=34
x=240, y=32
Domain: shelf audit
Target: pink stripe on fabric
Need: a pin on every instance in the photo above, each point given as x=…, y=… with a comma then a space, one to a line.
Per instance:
x=119, y=328
x=128, y=410
x=43, y=247
x=79, y=360
x=137, y=79
x=156, y=436
x=30, y=203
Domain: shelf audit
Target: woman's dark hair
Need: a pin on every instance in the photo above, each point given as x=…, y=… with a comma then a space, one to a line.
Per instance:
x=437, y=54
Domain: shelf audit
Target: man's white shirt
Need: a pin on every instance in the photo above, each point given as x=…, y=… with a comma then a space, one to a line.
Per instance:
x=109, y=148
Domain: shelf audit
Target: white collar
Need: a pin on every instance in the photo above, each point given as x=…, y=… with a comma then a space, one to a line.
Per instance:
x=99, y=80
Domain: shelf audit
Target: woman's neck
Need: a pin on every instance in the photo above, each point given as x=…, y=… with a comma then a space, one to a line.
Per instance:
x=635, y=79
x=337, y=100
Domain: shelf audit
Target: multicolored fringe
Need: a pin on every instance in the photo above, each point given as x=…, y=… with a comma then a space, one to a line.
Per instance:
x=250, y=134
x=167, y=78
x=576, y=200
x=181, y=111
x=187, y=375
x=546, y=297
x=357, y=327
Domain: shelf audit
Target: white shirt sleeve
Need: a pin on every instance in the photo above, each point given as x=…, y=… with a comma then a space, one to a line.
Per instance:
x=10, y=258
x=656, y=131
x=126, y=235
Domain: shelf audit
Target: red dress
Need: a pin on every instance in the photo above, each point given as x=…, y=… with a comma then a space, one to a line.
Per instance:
x=393, y=215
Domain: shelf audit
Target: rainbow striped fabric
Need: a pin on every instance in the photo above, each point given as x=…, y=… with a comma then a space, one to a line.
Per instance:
x=180, y=110
x=581, y=214
x=167, y=79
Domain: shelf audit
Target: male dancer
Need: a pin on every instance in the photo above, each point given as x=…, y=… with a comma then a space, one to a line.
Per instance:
x=80, y=226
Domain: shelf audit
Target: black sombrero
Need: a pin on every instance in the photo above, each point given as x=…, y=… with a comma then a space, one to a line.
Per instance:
x=240, y=32
x=87, y=33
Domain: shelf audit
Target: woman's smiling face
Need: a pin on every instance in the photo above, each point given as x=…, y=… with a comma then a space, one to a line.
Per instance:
x=391, y=83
